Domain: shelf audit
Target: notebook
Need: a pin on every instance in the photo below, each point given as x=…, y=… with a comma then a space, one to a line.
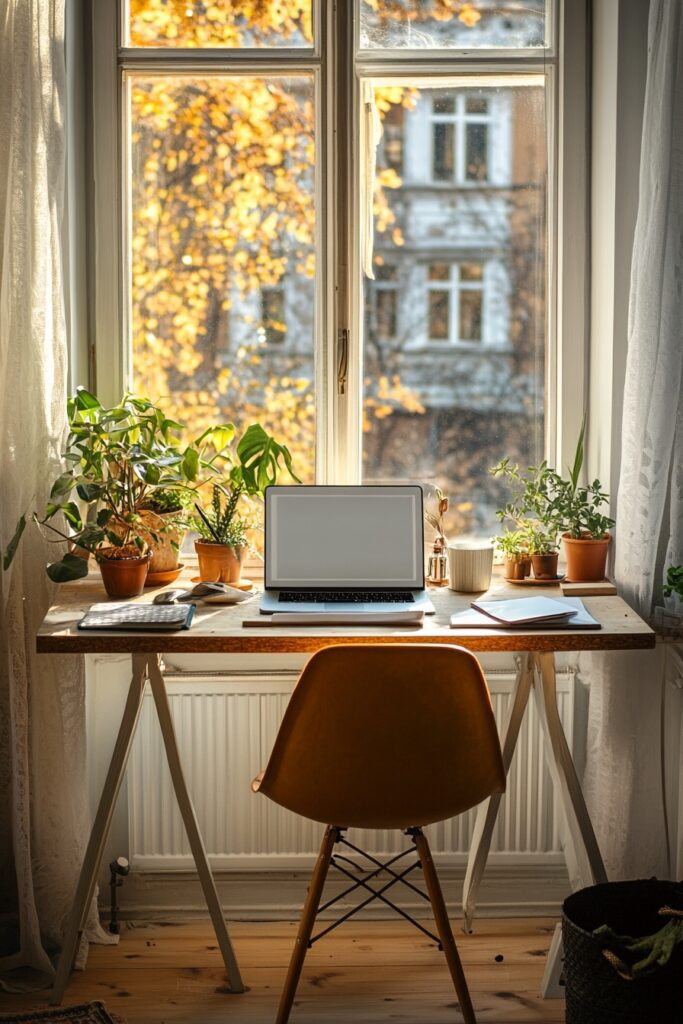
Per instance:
x=129, y=617
x=472, y=618
x=344, y=549
x=522, y=610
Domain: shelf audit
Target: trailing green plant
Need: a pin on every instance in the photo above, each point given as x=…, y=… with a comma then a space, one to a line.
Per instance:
x=558, y=504
x=674, y=582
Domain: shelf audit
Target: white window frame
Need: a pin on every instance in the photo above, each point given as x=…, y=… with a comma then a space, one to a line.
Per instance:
x=339, y=306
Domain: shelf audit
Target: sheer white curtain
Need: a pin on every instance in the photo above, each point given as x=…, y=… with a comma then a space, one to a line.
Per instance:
x=622, y=778
x=43, y=812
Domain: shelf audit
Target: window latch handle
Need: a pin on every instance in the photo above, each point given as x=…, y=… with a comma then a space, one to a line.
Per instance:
x=342, y=359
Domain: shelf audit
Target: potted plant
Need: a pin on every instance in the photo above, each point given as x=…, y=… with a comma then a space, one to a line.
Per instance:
x=530, y=512
x=585, y=529
x=562, y=506
x=543, y=550
x=164, y=510
x=514, y=546
x=256, y=464
x=223, y=538
x=117, y=459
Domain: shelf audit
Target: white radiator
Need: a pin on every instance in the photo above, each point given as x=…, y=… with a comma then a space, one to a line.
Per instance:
x=226, y=725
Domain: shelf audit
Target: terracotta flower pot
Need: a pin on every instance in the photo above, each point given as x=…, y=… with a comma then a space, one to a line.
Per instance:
x=164, y=555
x=219, y=563
x=586, y=558
x=545, y=566
x=517, y=567
x=124, y=577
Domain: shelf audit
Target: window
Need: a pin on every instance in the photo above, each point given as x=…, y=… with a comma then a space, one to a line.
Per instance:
x=384, y=322
x=409, y=335
x=455, y=299
x=273, y=328
x=460, y=138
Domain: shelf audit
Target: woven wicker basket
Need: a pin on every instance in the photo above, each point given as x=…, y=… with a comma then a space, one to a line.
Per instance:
x=596, y=993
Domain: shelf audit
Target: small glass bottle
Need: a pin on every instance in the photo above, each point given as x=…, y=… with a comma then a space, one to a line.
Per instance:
x=437, y=567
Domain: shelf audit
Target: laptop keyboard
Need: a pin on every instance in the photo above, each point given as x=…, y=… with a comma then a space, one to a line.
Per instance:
x=348, y=596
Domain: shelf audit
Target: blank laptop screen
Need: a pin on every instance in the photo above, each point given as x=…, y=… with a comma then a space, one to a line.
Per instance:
x=343, y=537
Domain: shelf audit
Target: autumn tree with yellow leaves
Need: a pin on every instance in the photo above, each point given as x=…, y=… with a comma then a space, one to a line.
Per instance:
x=223, y=207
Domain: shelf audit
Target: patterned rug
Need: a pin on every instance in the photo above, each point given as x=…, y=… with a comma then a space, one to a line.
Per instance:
x=86, y=1013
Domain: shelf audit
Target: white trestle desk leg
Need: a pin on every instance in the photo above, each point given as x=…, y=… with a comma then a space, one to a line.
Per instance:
x=582, y=854
x=190, y=821
x=98, y=836
x=488, y=810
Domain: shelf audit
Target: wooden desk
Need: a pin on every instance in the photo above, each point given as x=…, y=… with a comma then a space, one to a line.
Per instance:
x=218, y=629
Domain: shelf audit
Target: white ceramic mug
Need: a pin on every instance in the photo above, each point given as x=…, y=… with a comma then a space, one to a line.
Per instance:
x=469, y=565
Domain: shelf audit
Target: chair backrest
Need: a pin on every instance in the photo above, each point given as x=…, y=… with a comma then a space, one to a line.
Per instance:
x=386, y=736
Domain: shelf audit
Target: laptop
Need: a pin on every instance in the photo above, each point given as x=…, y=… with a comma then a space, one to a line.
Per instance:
x=344, y=549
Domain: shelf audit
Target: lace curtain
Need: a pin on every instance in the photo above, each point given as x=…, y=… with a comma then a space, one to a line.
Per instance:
x=622, y=780
x=43, y=812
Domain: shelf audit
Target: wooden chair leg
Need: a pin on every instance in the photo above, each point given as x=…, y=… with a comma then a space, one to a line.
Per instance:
x=443, y=926
x=306, y=925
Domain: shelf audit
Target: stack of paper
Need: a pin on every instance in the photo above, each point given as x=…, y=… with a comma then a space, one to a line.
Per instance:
x=526, y=613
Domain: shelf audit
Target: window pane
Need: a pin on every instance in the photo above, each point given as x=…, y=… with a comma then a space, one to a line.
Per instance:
x=476, y=152
x=439, y=271
x=273, y=326
x=223, y=255
x=443, y=165
x=392, y=138
x=433, y=24
x=476, y=105
x=470, y=316
x=443, y=414
x=471, y=271
x=218, y=23
x=444, y=105
x=386, y=314
x=438, y=316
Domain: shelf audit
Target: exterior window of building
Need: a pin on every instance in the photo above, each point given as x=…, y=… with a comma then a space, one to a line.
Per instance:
x=455, y=302
x=392, y=138
x=273, y=328
x=460, y=138
x=385, y=295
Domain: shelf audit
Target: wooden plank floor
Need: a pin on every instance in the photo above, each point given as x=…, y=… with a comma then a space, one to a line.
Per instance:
x=364, y=973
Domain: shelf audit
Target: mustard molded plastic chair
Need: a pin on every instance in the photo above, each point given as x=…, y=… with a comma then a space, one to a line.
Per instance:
x=384, y=736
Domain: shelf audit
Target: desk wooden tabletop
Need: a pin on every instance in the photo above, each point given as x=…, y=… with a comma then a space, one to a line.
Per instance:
x=218, y=628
